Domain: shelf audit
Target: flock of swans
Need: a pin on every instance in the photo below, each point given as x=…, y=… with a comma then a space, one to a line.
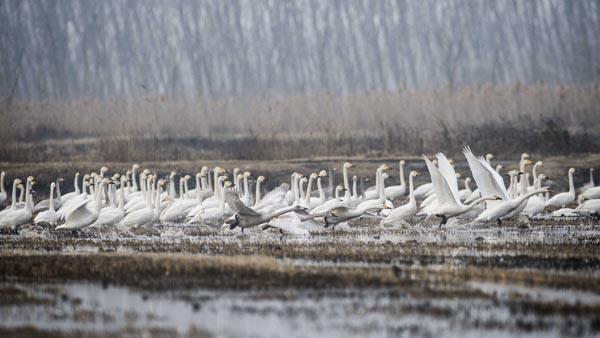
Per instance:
x=142, y=198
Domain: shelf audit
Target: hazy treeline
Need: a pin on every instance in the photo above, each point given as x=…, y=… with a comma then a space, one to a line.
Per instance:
x=198, y=49
x=504, y=119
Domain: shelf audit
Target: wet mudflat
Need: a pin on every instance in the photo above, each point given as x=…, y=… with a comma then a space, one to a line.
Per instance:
x=541, y=279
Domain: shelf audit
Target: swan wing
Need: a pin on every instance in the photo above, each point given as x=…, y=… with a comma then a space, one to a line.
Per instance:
x=488, y=180
x=76, y=205
x=440, y=186
x=274, y=196
x=233, y=200
x=496, y=179
x=449, y=174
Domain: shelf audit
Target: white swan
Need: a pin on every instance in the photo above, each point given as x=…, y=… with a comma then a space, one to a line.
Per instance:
x=508, y=208
x=589, y=208
x=537, y=203
x=396, y=191
x=45, y=204
x=48, y=216
x=334, y=202
x=3, y=195
x=179, y=209
x=16, y=217
x=590, y=194
x=446, y=190
x=375, y=193
x=341, y=214
x=403, y=213
x=245, y=217
x=213, y=213
x=489, y=182
x=13, y=205
x=347, y=193
x=84, y=215
x=64, y=198
x=465, y=194
x=586, y=186
x=564, y=198
x=148, y=214
x=112, y=215
x=309, y=201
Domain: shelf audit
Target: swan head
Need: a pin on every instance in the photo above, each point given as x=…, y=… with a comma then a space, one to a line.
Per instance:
x=499, y=167
x=187, y=177
x=231, y=222
x=402, y=162
x=539, y=164
x=451, y=161
x=222, y=171
x=227, y=184
x=527, y=162
x=355, y=178
x=348, y=165
x=303, y=180
x=512, y=173
x=172, y=175
x=240, y=177
x=323, y=173
x=313, y=176
x=572, y=170
x=236, y=171
x=434, y=162
x=103, y=170
x=414, y=173
x=339, y=189
x=524, y=156
x=467, y=180
x=145, y=172
x=52, y=185
x=17, y=181
x=261, y=179
x=221, y=179
x=385, y=176
x=247, y=174
x=135, y=167
x=488, y=157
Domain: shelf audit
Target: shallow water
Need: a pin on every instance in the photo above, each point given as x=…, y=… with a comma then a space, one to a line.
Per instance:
x=293, y=313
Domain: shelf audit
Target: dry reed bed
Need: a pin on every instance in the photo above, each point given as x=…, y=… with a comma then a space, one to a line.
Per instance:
x=503, y=119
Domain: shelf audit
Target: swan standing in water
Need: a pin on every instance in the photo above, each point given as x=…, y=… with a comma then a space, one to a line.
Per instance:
x=245, y=217
x=446, y=190
x=564, y=198
x=48, y=216
x=14, y=218
x=401, y=214
x=84, y=215
x=64, y=198
x=45, y=204
x=13, y=205
x=537, y=203
x=3, y=195
x=147, y=214
x=113, y=214
x=394, y=192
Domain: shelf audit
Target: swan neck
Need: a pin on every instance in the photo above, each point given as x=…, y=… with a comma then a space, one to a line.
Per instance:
x=257, y=195
x=14, y=195
x=402, y=181
x=591, y=179
x=320, y=188
x=2, y=182
x=52, y=198
x=308, y=190
x=75, y=184
x=571, y=185
x=411, y=190
x=345, y=174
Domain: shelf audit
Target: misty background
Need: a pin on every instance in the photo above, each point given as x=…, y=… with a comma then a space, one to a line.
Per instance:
x=381, y=77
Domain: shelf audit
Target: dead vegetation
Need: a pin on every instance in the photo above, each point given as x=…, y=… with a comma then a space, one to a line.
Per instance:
x=543, y=119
